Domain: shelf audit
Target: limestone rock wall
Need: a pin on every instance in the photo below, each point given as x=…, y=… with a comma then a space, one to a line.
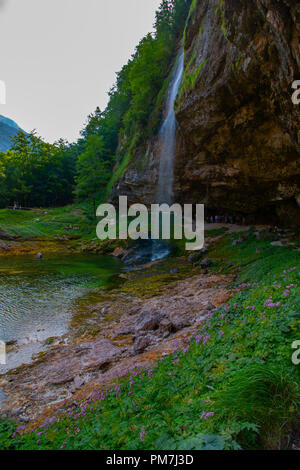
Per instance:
x=239, y=131
x=238, y=142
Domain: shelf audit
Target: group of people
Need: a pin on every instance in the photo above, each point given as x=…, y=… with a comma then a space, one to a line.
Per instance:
x=225, y=219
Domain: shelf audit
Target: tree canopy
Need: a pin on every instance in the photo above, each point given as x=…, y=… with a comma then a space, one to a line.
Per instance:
x=35, y=173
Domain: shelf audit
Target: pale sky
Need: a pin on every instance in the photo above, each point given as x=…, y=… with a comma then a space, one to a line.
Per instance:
x=58, y=58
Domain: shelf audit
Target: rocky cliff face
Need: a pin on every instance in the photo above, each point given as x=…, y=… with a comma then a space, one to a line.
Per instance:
x=238, y=145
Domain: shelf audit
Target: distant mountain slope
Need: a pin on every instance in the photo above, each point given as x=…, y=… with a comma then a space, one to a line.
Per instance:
x=8, y=129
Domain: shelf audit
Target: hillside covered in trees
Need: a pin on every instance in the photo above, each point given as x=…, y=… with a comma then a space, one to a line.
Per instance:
x=34, y=173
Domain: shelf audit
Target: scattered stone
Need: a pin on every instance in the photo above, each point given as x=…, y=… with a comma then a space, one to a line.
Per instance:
x=195, y=257
x=52, y=340
x=149, y=320
x=166, y=326
x=141, y=343
x=78, y=383
x=174, y=271
x=236, y=242
x=3, y=246
x=277, y=243
x=258, y=235
x=208, y=305
x=6, y=236
x=179, y=323
x=206, y=263
x=119, y=253
x=24, y=418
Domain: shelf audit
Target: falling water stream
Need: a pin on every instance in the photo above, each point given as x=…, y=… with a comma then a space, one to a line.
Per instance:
x=167, y=138
x=153, y=250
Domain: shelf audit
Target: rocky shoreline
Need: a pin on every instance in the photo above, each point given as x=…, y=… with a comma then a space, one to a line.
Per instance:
x=154, y=311
x=149, y=313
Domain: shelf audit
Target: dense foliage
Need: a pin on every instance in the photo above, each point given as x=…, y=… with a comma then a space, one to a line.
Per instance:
x=34, y=173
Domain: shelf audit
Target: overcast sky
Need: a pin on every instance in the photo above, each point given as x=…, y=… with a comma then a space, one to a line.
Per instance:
x=58, y=58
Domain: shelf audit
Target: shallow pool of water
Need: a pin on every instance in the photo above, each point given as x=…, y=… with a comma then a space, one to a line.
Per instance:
x=38, y=297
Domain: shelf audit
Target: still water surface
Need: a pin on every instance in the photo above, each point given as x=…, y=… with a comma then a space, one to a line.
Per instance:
x=39, y=297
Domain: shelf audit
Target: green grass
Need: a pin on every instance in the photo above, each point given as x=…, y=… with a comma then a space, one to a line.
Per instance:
x=233, y=386
x=48, y=223
x=267, y=392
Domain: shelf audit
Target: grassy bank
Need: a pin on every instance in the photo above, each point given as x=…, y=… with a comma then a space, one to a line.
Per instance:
x=233, y=386
x=71, y=221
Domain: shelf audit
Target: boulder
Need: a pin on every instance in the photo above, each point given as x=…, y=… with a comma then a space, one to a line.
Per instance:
x=148, y=320
x=277, y=243
x=179, y=323
x=166, y=327
x=141, y=343
x=174, y=271
x=119, y=253
x=195, y=257
x=236, y=242
x=3, y=246
x=206, y=263
x=6, y=236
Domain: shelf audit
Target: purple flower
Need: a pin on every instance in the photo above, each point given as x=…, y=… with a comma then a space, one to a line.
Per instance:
x=207, y=415
x=206, y=339
x=198, y=339
x=142, y=434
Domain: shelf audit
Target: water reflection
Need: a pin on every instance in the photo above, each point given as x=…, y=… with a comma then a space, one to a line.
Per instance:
x=37, y=297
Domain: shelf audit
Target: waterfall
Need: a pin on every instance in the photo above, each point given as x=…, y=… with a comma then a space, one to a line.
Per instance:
x=146, y=251
x=167, y=138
